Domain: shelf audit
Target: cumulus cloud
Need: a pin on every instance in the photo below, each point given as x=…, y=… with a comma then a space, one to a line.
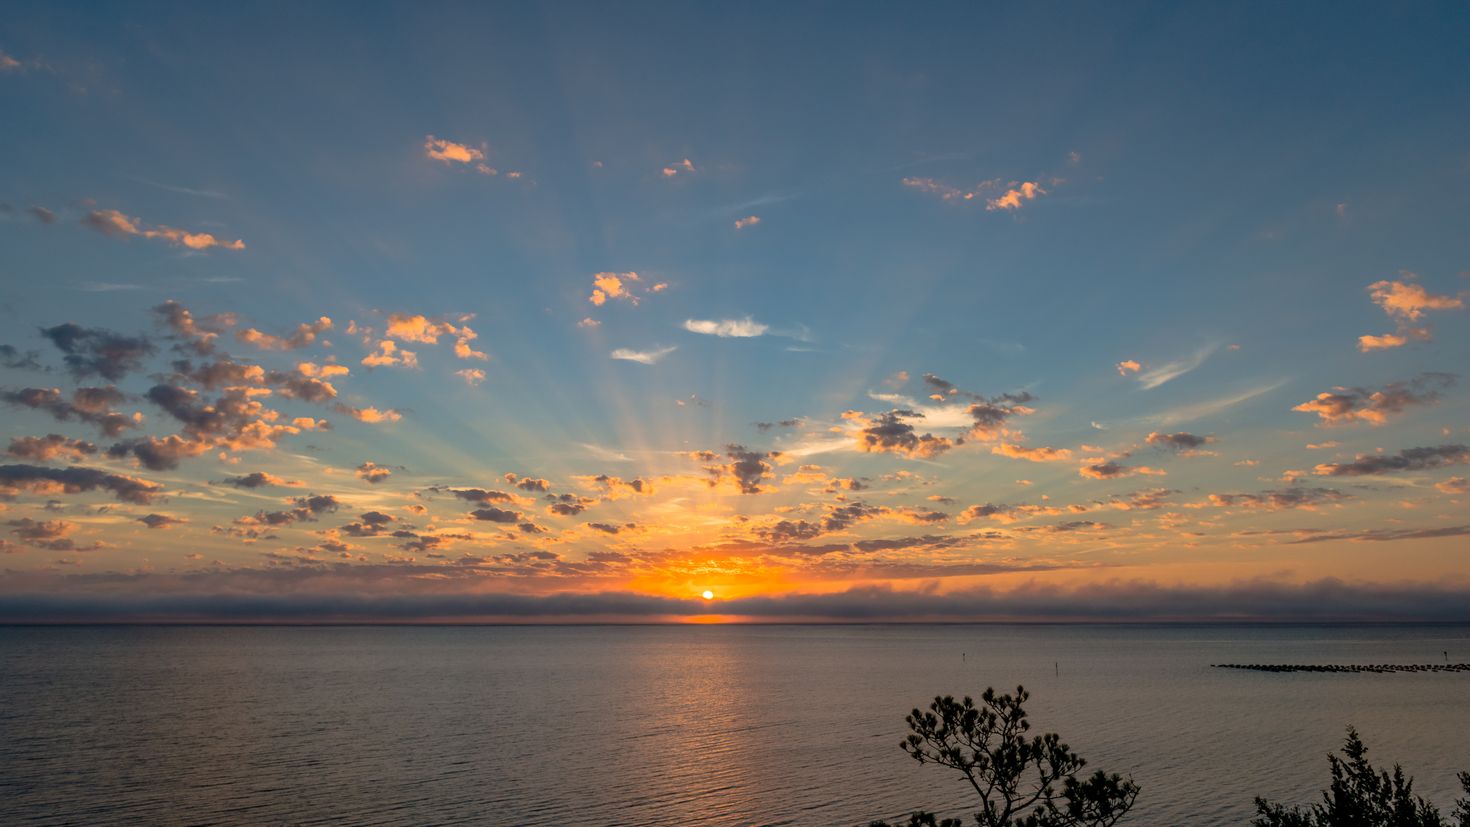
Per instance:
x=372, y=472
x=727, y=328
x=257, y=479
x=1181, y=442
x=894, y=433
x=748, y=221
x=1015, y=196
x=91, y=405
x=1128, y=366
x=161, y=521
x=1344, y=405
x=372, y=416
x=646, y=357
x=115, y=223
x=471, y=376
x=746, y=469
x=194, y=335
x=681, y=167
x=76, y=479
x=98, y=352
x=1112, y=469
x=16, y=359
x=1409, y=459
x=389, y=354
x=1405, y=301
x=628, y=287
x=49, y=447
x=424, y=330
x=305, y=334
x=451, y=152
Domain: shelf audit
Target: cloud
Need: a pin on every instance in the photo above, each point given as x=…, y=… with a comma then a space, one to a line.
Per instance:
x=74, y=480
x=1182, y=442
x=1342, y=405
x=681, y=167
x=1015, y=197
x=196, y=335
x=745, y=328
x=423, y=330
x=646, y=357
x=1277, y=500
x=1007, y=449
x=746, y=469
x=15, y=359
x=1408, y=300
x=1326, y=600
x=305, y=334
x=257, y=479
x=748, y=221
x=471, y=376
x=371, y=416
x=49, y=447
x=91, y=405
x=98, y=352
x=1153, y=377
x=115, y=223
x=1405, y=302
x=628, y=287
x=1409, y=459
x=450, y=152
x=390, y=355
x=161, y=521
x=1128, y=366
x=1454, y=485
x=892, y=433
x=371, y=472
x=1382, y=535
x=1111, y=469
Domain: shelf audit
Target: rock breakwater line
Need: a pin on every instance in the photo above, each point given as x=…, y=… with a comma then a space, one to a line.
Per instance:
x=1346, y=668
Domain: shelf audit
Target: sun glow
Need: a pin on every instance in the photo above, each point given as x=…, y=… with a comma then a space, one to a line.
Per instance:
x=708, y=595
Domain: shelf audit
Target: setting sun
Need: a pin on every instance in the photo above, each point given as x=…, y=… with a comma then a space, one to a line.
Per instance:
x=708, y=595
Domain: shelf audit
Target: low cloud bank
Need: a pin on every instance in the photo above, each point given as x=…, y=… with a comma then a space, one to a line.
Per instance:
x=1124, y=601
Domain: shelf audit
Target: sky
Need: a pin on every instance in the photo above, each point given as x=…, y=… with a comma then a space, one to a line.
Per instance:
x=833, y=311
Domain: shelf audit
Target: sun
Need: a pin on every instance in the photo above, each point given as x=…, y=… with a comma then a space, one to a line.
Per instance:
x=708, y=595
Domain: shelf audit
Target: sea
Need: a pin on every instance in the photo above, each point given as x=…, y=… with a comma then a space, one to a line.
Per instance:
x=684, y=725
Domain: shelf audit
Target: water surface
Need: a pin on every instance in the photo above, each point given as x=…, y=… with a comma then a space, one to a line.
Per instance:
x=680, y=725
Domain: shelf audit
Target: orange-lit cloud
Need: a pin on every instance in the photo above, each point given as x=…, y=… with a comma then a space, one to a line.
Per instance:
x=115, y=223
x=305, y=334
x=1015, y=197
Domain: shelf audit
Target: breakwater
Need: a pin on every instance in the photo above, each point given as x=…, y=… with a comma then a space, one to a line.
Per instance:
x=1350, y=668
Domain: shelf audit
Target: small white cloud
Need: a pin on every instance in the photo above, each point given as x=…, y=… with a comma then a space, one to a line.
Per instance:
x=727, y=328
x=646, y=357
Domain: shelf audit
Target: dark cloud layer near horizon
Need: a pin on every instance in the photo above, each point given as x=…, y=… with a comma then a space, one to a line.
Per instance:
x=1326, y=600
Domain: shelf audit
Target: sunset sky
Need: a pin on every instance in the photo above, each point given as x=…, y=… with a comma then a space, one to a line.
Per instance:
x=838, y=311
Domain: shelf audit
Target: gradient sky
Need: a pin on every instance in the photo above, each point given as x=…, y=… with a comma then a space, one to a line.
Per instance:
x=835, y=310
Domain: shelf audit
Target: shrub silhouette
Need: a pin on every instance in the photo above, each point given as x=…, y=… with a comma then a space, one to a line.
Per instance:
x=1361, y=796
x=1022, y=781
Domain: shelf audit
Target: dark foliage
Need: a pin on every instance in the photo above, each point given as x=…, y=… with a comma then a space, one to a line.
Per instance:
x=1361, y=796
x=1022, y=781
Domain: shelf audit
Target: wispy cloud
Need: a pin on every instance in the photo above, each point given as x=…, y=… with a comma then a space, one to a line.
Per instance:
x=1153, y=377
x=644, y=357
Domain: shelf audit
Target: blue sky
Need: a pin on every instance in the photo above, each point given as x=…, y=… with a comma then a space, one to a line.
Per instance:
x=1229, y=197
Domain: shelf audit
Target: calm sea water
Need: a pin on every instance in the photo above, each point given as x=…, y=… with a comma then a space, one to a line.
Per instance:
x=679, y=725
